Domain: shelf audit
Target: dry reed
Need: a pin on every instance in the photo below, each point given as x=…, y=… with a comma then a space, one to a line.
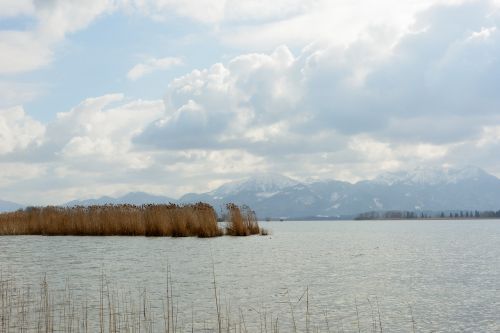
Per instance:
x=114, y=220
x=242, y=221
x=154, y=220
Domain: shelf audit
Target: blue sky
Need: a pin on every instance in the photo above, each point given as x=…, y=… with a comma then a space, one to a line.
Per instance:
x=166, y=96
x=94, y=61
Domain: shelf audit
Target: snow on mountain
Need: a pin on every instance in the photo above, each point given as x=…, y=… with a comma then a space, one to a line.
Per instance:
x=264, y=184
x=272, y=195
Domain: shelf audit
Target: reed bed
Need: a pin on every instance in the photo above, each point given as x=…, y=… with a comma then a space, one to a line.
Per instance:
x=113, y=220
x=156, y=220
x=242, y=221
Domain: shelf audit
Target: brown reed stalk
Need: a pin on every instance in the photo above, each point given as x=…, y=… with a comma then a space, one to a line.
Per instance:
x=242, y=221
x=197, y=219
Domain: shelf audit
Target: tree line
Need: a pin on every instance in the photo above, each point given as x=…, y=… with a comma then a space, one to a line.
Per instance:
x=409, y=215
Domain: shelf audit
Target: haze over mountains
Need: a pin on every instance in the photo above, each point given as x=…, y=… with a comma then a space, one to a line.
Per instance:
x=136, y=198
x=274, y=195
x=7, y=206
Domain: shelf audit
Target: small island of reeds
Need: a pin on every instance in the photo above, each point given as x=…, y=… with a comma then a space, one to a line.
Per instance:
x=154, y=220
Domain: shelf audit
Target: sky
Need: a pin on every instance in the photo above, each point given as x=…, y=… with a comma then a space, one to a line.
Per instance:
x=105, y=97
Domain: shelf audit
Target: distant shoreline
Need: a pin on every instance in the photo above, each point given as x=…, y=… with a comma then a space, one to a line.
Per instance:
x=381, y=219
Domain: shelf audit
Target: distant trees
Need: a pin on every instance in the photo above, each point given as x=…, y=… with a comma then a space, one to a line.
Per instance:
x=409, y=215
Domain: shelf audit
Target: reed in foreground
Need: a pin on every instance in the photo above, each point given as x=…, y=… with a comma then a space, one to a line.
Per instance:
x=30, y=308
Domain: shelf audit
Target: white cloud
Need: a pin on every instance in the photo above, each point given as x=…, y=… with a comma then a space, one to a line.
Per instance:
x=95, y=130
x=30, y=49
x=16, y=7
x=22, y=51
x=490, y=136
x=221, y=103
x=12, y=173
x=18, y=130
x=207, y=11
x=58, y=18
x=484, y=33
x=152, y=65
x=332, y=22
x=218, y=11
x=90, y=145
x=428, y=96
x=431, y=92
x=244, y=23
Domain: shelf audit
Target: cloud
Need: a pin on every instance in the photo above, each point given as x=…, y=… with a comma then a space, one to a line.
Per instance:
x=206, y=11
x=257, y=22
x=32, y=47
x=95, y=129
x=327, y=22
x=89, y=145
x=428, y=95
x=9, y=8
x=95, y=133
x=152, y=65
x=18, y=131
x=265, y=99
x=216, y=12
x=243, y=23
x=24, y=50
x=431, y=90
x=220, y=103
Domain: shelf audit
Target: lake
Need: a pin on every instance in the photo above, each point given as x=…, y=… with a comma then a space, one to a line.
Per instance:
x=427, y=276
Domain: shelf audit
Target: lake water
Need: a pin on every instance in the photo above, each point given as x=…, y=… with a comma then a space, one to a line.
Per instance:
x=431, y=276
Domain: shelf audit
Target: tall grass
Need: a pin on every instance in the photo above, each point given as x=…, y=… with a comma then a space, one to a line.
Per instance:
x=157, y=220
x=107, y=220
x=242, y=221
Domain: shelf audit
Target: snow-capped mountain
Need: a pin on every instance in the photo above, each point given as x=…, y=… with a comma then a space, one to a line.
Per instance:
x=419, y=189
x=267, y=191
x=274, y=195
x=263, y=184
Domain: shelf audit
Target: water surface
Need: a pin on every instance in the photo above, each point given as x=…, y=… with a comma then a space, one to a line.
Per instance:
x=441, y=276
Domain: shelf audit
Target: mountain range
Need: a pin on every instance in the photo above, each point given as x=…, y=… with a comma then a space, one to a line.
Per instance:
x=421, y=189
x=136, y=198
x=276, y=196
x=8, y=206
